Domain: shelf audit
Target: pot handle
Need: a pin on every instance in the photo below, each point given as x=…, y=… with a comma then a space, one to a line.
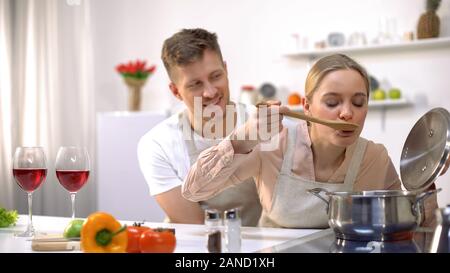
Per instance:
x=316, y=192
x=421, y=197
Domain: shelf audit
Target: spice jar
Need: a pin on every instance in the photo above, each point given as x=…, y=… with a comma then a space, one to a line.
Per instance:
x=248, y=95
x=213, y=224
x=233, y=231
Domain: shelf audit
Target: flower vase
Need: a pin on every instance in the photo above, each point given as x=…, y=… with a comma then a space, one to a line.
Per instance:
x=134, y=96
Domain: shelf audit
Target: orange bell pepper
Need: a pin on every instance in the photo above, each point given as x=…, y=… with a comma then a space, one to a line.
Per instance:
x=101, y=232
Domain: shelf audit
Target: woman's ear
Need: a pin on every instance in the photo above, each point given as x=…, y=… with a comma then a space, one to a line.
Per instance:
x=306, y=107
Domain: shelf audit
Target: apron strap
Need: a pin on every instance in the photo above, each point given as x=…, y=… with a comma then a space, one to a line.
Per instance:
x=355, y=162
x=288, y=157
x=190, y=143
x=192, y=150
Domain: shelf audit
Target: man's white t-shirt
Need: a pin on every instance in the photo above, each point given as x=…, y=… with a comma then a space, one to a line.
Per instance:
x=163, y=155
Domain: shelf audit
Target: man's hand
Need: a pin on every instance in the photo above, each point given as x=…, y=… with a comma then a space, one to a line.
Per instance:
x=179, y=209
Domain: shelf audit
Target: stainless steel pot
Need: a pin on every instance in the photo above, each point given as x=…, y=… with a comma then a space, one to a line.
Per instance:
x=384, y=215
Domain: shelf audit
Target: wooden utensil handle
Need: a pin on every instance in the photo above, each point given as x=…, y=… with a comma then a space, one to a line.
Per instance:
x=337, y=125
x=55, y=246
x=303, y=116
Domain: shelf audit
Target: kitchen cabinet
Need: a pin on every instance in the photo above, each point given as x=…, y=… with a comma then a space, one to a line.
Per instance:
x=121, y=187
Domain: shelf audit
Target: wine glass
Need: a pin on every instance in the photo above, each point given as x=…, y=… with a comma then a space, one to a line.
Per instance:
x=29, y=170
x=72, y=170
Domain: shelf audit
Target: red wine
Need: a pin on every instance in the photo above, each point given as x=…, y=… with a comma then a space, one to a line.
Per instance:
x=71, y=180
x=29, y=179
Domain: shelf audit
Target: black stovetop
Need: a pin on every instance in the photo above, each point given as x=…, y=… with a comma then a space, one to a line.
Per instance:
x=325, y=241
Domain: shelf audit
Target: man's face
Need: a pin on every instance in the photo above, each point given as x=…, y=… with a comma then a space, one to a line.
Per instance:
x=206, y=78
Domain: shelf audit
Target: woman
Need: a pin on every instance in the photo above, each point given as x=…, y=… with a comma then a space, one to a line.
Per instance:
x=308, y=155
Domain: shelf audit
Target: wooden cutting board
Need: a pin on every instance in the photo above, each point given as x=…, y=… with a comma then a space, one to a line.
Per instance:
x=55, y=242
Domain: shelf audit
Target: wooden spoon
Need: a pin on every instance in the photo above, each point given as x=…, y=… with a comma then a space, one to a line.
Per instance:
x=337, y=125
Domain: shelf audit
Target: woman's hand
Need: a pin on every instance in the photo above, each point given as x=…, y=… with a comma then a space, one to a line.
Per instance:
x=261, y=126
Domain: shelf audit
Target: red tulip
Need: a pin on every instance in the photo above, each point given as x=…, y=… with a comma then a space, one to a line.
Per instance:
x=137, y=69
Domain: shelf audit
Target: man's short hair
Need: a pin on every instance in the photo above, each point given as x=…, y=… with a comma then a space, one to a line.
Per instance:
x=188, y=46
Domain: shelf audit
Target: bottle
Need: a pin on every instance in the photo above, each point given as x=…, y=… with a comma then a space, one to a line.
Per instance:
x=213, y=224
x=248, y=95
x=233, y=231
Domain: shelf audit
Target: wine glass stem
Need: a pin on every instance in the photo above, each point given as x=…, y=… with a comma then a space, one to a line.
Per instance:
x=72, y=197
x=30, y=211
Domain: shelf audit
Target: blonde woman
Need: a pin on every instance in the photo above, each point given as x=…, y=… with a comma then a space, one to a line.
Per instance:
x=308, y=155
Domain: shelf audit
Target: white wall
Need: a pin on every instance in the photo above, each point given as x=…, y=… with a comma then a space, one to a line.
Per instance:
x=254, y=34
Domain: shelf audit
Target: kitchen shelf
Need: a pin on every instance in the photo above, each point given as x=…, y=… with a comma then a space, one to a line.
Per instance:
x=416, y=44
x=381, y=105
x=398, y=47
x=295, y=108
x=373, y=104
x=389, y=103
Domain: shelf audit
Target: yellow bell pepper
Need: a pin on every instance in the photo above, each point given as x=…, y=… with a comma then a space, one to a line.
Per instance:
x=101, y=232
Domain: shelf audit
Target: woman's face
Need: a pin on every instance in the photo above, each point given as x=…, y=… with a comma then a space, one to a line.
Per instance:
x=342, y=95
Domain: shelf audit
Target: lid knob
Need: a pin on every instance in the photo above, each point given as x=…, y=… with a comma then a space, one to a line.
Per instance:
x=232, y=214
x=212, y=214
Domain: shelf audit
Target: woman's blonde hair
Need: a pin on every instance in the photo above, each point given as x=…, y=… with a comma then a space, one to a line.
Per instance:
x=329, y=64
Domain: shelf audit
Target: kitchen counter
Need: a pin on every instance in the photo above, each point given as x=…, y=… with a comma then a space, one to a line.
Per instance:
x=190, y=238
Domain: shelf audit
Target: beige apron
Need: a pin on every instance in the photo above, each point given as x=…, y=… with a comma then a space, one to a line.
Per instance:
x=244, y=195
x=292, y=205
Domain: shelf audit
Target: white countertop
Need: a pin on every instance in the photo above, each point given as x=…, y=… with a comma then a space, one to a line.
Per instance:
x=190, y=238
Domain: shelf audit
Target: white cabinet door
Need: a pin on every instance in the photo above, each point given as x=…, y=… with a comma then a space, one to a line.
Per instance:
x=121, y=189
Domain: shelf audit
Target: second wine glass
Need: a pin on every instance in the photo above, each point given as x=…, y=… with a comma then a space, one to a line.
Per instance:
x=72, y=170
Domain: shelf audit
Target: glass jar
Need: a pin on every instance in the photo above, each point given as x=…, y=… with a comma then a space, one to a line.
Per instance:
x=213, y=225
x=233, y=231
x=248, y=95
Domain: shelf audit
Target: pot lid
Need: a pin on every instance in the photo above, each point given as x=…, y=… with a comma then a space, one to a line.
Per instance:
x=425, y=150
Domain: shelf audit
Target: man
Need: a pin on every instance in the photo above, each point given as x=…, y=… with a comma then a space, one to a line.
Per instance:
x=199, y=78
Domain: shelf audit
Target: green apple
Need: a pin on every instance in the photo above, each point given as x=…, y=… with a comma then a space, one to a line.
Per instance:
x=73, y=229
x=394, y=93
x=379, y=94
